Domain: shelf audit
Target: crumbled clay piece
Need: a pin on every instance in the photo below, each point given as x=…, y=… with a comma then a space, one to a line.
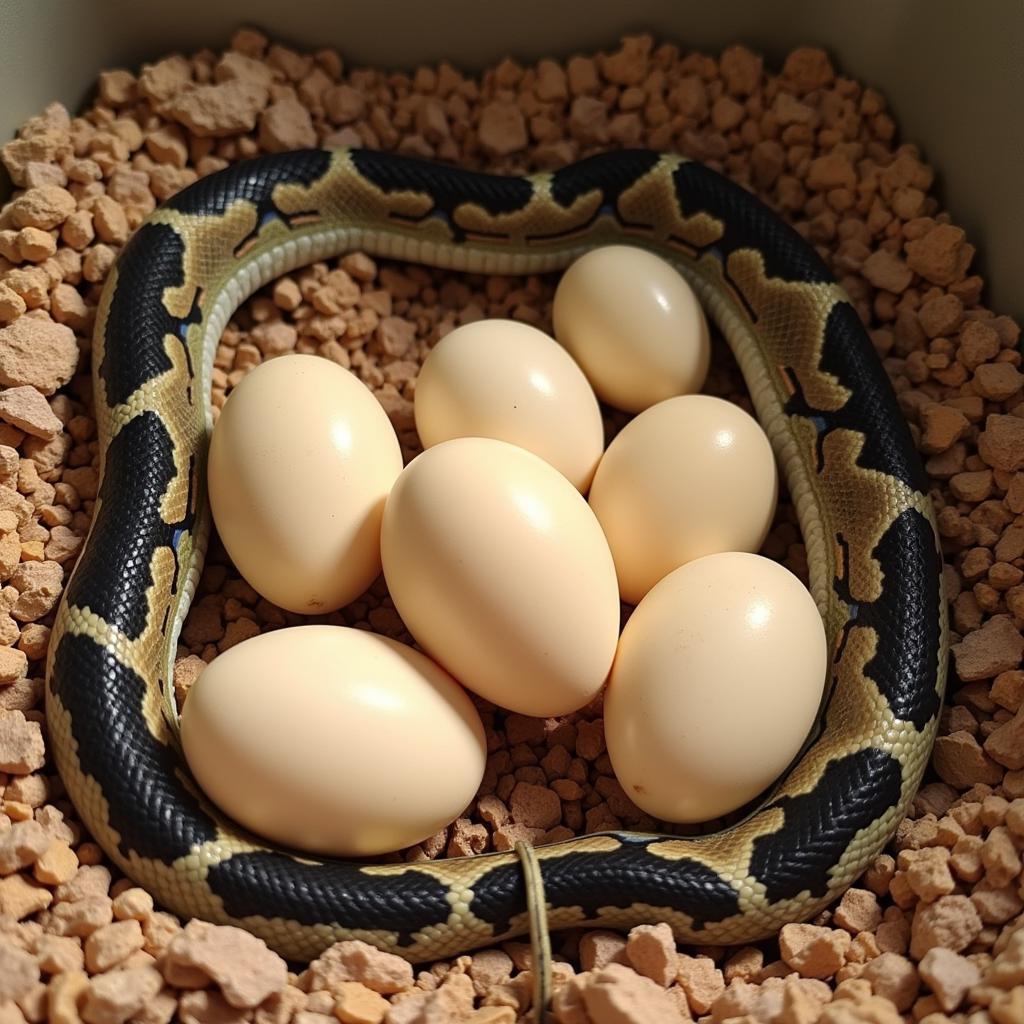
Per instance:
x=222, y=109
x=812, y=951
x=357, y=1004
x=996, y=647
x=884, y=270
x=357, y=961
x=56, y=865
x=951, y=922
x=44, y=207
x=502, y=129
x=240, y=963
x=285, y=125
x=941, y=255
x=617, y=995
x=651, y=951
x=111, y=944
x=21, y=744
x=535, y=806
x=37, y=352
x=26, y=408
x=114, y=997
x=960, y=761
x=599, y=948
x=19, y=971
x=1001, y=443
x=701, y=980
x=894, y=977
x=858, y=911
x=1005, y=744
x=57, y=954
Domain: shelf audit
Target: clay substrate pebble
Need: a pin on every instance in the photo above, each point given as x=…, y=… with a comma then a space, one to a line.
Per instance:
x=931, y=933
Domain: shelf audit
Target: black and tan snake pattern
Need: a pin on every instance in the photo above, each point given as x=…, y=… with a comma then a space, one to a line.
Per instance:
x=819, y=391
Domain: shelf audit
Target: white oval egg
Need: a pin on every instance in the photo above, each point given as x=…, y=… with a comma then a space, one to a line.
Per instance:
x=510, y=381
x=688, y=477
x=501, y=572
x=301, y=460
x=715, y=687
x=333, y=740
x=634, y=325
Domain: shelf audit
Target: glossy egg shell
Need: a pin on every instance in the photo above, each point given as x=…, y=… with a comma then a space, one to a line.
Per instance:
x=634, y=325
x=509, y=381
x=333, y=740
x=301, y=460
x=501, y=572
x=716, y=684
x=691, y=476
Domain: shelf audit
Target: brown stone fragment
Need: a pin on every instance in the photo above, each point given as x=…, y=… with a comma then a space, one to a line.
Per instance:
x=45, y=207
x=942, y=426
x=885, y=270
x=617, y=995
x=37, y=352
x=996, y=647
x=358, y=961
x=502, y=129
x=950, y=922
x=960, y=761
x=812, y=951
x=940, y=256
x=285, y=125
x=535, y=806
x=599, y=948
x=858, y=911
x=651, y=950
x=216, y=110
x=701, y=980
x=1005, y=744
x=240, y=963
x=893, y=977
x=26, y=408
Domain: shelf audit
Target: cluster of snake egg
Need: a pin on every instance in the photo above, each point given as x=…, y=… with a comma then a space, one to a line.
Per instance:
x=193, y=262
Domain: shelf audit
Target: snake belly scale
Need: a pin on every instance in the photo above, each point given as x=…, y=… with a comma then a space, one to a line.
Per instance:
x=819, y=392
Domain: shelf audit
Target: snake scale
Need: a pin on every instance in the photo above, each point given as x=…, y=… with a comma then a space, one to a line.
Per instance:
x=819, y=392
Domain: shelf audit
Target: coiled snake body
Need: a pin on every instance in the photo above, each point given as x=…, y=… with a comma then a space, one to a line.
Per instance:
x=819, y=392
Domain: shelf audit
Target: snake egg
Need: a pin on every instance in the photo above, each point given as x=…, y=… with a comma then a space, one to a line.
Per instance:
x=715, y=687
x=634, y=325
x=333, y=740
x=510, y=381
x=502, y=574
x=691, y=476
x=301, y=460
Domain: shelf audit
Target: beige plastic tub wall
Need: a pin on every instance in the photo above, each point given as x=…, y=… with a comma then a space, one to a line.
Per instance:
x=953, y=70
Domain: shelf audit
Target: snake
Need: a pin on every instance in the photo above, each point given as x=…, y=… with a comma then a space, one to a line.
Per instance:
x=819, y=391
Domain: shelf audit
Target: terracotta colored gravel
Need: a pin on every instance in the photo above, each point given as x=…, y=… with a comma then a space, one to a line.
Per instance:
x=933, y=930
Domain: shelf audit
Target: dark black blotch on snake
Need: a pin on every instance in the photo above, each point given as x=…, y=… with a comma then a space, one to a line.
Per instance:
x=149, y=264
x=905, y=665
x=820, y=825
x=598, y=174
x=595, y=880
x=331, y=890
x=747, y=224
x=447, y=187
x=253, y=181
x=119, y=752
x=871, y=410
x=140, y=467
